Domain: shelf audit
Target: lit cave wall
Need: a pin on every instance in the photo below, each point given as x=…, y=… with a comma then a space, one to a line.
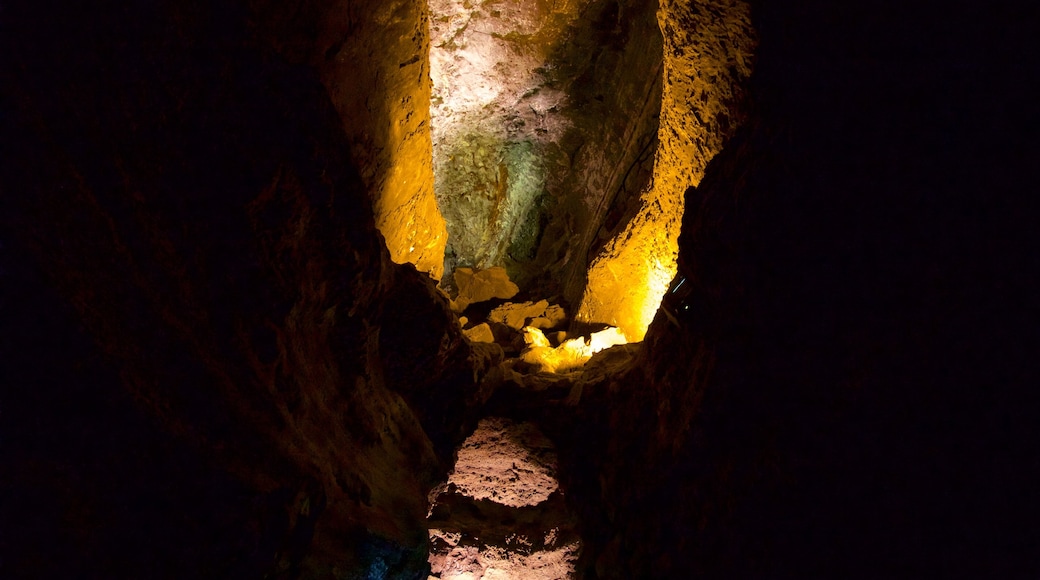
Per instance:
x=708, y=50
x=495, y=120
x=374, y=62
x=565, y=135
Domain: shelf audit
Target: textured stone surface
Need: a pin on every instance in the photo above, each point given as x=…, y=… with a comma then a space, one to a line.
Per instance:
x=534, y=337
x=501, y=514
x=511, y=464
x=613, y=70
x=211, y=368
x=571, y=204
x=373, y=59
x=479, y=333
x=493, y=116
x=814, y=387
x=517, y=315
x=527, y=169
x=240, y=398
x=553, y=317
x=481, y=286
x=708, y=49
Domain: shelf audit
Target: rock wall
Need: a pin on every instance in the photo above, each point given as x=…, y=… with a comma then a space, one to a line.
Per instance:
x=836, y=388
x=203, y=374
x=613, y=72
x=493, y=118
x=373, y=59
x=708, y=53
x=211, y=367
x=552, y=158
x=526, y=166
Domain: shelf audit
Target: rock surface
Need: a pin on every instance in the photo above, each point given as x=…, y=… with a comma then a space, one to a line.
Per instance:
x=479, y=333
x=212, y=368
x=516, y=315
x=800, y=406
x=373, y=57
x=481, y=286
x=501, y=514
x=494, y=116
x=507, y=463
x=530, y=177
x=221, y=374
x=708, y=54
x=553, y=317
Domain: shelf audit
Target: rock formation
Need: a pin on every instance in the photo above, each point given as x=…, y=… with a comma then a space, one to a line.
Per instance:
x=220, y=356
x=373, y=58
x=481, y=286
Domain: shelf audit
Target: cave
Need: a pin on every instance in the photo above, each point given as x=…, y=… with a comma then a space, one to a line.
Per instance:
x=496, y=289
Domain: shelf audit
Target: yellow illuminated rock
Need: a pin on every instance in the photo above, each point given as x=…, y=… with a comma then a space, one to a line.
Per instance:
x=600, y=160
x=571, y=354
x=553, y=317
x=515, y=316
x=708, y=47
x=479, y=333
x=480, y=285
x=373, y=59
x=533, y=337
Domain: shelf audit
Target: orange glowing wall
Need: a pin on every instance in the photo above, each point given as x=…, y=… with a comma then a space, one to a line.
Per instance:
x=708, y=48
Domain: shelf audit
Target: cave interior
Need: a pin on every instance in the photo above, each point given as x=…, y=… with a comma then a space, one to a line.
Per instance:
x=505, y=289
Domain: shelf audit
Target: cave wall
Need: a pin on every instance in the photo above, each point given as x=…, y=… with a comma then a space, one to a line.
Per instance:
x=494, y=117
x=839, y=388
x=526, y=165
x=613, y=74
x=708, y=54
x=202, y=374
x=373, y=58
x=565, y=135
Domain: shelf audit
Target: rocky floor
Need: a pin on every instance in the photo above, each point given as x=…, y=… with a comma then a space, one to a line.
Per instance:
x=501, y=513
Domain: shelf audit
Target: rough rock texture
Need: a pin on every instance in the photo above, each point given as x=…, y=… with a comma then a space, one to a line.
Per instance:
x=553, y=317
x=481, y=286
x=551, y=155
x=511, y=464
x=493, y=117
x=484, y=540
x=209, y=367
x=373, y=59
x=834, y=395
x=521, y=149
x=502, y=514
x=516, y=315
x=708, y=48
x=211, y=364
x=615, y=115
x=527, y=169
x=479, y=333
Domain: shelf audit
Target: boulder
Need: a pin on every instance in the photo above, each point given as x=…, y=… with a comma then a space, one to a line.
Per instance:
x=553, y=317
x=515, y=315
x=533, y=337
x=479, y=333
x=481, y=285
